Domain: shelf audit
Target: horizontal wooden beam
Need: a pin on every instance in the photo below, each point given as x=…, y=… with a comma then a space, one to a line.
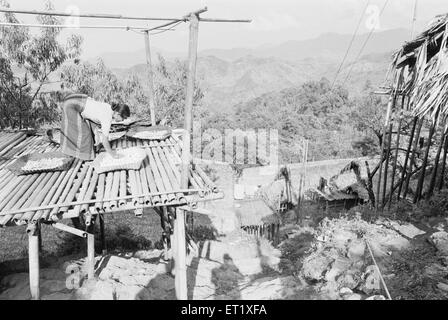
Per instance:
x=86, y=15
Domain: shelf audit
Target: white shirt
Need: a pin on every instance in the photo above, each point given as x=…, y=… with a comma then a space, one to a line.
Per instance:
x=99, y=112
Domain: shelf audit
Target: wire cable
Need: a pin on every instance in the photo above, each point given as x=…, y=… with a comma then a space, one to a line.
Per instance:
x=364, y=46
x=351, y=43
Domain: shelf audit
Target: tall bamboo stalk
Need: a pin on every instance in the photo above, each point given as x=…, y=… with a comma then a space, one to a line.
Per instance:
x=421, y=180
x=436, y=166
x=414, y=151
x=408, y=150
x=442, y=173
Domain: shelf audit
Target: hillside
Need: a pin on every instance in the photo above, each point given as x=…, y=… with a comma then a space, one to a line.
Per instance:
x=228, y=83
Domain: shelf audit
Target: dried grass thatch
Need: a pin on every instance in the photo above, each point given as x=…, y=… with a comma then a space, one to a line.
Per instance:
x=424, y=62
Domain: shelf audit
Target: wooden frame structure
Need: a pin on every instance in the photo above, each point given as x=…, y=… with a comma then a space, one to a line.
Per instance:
x=186, y=178
x=417, y=111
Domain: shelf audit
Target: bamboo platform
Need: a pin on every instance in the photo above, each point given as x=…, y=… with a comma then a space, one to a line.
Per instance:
x=53, y=196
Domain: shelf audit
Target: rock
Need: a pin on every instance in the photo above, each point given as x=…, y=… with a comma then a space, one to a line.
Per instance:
x=314, y=267
x=339, y=266
x=58, y=296
x=440, y=241
x=372, y=280
x=376, y=297
x=269, y=288
x=442, y=286
x=406, y=229
x=356, y=250
x=435, y=270
x=354, y=296
x=348, y=280
x=345, y=291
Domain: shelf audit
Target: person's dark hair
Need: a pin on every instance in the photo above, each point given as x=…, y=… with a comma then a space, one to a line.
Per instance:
x=122, y=109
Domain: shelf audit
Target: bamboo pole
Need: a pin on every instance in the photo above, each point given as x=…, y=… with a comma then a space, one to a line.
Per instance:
x=33, y=260
x=115, y=188
x=102, y=234
x=151, y=182
x=63, y=188
x=380, y=170
x=42, y=192
x=66, y=228
x=150, y=79
x=157, y=177
x=166, y=180
x=174, y=181
x=91, y=254
x=76, y=185
x=397, y=145
x=436, y=167
x=442, y=173
x=403, y=174
x=414, y=152
x=421, y=180
x=89, y=193
x=100, y=192
x=181, y=276
x=85, y=186
x=133, y=184
x=108, y=189
x=191, y=192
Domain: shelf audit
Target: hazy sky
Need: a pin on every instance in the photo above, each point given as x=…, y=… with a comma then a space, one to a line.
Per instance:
x=274, y=21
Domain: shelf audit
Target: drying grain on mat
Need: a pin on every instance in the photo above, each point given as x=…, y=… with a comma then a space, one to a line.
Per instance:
x=43, y=164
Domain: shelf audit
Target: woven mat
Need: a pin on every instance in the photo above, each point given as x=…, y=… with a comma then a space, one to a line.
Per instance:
x=131, y=159
x=40, y=162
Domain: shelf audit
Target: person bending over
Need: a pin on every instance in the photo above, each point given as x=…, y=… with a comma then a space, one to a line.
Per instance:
x=86, y=123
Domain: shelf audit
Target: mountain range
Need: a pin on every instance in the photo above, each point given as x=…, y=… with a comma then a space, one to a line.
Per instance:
x=232, y=76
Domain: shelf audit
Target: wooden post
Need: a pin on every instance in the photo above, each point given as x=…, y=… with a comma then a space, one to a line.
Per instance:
x=151, y=79
x=421, y=179
x=181, y=257
x=102, y=234
x=442, y=173
x=397, y=145
x=165, y=234
x=90, y=252
x=33, y=260
x=380, y=170
x=408, y=151
x=180, y=267
x=414, y=151
x=386, y=165
x=432, y=183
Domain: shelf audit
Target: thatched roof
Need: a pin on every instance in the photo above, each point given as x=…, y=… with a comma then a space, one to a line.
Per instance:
x=255, y=212
x=422, y=64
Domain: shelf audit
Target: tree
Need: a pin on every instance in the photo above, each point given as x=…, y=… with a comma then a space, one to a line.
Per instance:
x=26, y=62
x=368, y=114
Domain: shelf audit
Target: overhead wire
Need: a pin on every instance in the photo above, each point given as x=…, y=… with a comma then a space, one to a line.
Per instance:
x=363, y=46
x=351, y=43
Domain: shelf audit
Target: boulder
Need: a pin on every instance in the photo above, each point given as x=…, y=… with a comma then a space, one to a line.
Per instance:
x=314, y=267
x=372, y=282
x=356, y=250
x=348, y=280
x=440, y=241
x=339, y=266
